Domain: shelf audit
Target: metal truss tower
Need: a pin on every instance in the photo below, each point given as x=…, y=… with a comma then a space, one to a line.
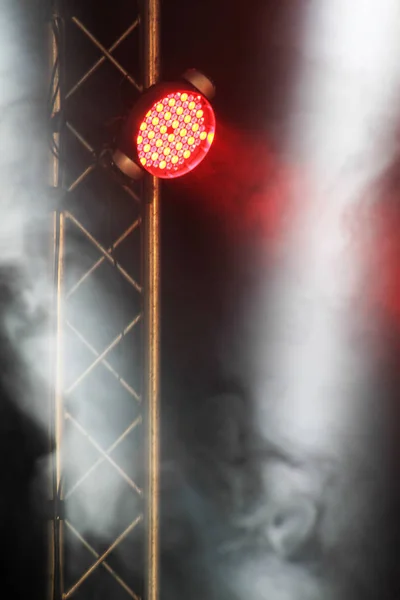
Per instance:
x=105, y=372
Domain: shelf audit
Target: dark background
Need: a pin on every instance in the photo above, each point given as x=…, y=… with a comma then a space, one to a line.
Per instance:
x=210, y=230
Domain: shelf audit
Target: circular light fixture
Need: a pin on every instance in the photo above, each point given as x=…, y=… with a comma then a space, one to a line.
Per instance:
x=170, y=130
x=175, y=134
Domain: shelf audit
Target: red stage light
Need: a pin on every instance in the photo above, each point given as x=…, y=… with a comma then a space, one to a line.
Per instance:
x=175, y=134
x=169, y=130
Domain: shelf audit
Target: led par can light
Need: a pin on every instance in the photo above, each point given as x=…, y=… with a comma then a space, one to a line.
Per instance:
x=169, y=130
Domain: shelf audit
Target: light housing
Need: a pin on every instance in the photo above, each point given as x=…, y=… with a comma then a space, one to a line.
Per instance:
x=170, y=129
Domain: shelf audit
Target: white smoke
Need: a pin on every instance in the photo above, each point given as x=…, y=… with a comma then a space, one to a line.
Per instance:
x=22, y=185
x=26, y=262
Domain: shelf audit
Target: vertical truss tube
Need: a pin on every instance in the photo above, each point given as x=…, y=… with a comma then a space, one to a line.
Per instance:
x=151, y=36
x=56, y=401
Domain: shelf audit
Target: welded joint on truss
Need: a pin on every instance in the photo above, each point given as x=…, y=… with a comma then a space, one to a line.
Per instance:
x=55, y=510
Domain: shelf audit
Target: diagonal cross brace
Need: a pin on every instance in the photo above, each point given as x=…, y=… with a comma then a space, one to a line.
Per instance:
x=102, y=356
x=101, y=558
x=100, y=460
x=103, y=59
x=109, y=367
x=93, y=165
x=106, y=53
x=104, y=564
x=104, y=454
x=100, y=261
x=103, y=251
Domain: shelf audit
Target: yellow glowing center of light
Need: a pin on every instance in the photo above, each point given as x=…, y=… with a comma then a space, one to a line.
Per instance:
x=187, y=119
x=155, y=121
x=191, y=141
x=163, y=164
x=167, y=151
x=159, y=143
x=159, y=107
x=192, y=105
x=179, y=110
x=167, y=116
x=143, y=160
x=147, y=148
x=195, y=127
x=151, y=135
x=143, y=127
x=163, y=129
x=174, y=160
x=199, y=114
x=175, y=124
x=154, y=156
x=186, y=154
x=203, y=135
x=184, y=97
x=139, y=139
x=179, y=146
x=171, y=137
x=171, y=102
x=182, y=132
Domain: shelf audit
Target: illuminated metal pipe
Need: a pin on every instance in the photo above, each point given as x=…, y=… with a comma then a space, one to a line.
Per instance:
x=152, y=319
x=56, y=553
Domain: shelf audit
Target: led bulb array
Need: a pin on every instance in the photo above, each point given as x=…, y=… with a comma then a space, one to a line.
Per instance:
x=175, y=134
